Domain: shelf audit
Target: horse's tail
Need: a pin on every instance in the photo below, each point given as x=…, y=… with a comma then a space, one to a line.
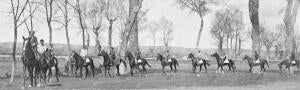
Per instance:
x=122, y=61
x=176, y=62
x=207, y=63
x=148, y=64
x=267, y=63
x=233, y=64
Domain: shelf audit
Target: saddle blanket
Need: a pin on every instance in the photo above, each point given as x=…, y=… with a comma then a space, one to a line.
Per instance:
x=293, y=62
x=139, y=61
x=200, y=61
x=226, y=61
x=169, y=60
x=87, y=60
x=257, y=61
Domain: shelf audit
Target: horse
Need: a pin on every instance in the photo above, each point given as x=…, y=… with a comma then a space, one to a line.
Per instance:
x=108, y=62
x=288, y=64
x=199, y=63
x=252, y=63
x=132, y=63
x=52, y=63
x=143, y=62
x=80, y=63
x=29, y=61
x=220, y=62
x=164, y=62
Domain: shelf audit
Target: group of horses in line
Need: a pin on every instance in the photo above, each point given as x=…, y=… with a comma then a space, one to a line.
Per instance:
x=42, y=68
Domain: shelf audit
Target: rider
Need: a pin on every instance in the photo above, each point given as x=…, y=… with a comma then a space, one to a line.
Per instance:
x=292, y=58
x=256, y=55
x=84, y=53
x=138, y=54
x=34, y=43
x=168, y=55
x=199, y=55
x=112, y=53
x=41, y=48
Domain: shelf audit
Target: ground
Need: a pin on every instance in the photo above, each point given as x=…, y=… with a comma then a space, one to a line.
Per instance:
x=183, y=79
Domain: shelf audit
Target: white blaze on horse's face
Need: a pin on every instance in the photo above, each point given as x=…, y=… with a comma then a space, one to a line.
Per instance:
x=25, y=42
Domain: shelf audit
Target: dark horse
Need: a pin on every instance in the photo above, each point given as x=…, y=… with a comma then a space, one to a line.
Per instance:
x=29, y=61
x=164, y=62
x=143, y=62
x=45, y=63
x=108, y=62
x=288, y=64
x=220, y=62
x=79, y=63
x=132, y=63
x=252, y=63
x=199, y=63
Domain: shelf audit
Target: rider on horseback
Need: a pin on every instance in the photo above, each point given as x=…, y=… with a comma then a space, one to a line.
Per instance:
x=112, y=55
x=199, y=56
x=138, y=55
x=293, y=59
x=41, y=48
x=225, y=59
x=256, y=55
x=34, y=43
x=84, y=53
x=168, y=55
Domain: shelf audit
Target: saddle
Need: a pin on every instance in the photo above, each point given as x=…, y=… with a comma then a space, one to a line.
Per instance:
x=169, y=60
x=226, y=61
x=200, y=61
x=293, y=62
x=257, y=61
x=87, y=60
x=139, y=60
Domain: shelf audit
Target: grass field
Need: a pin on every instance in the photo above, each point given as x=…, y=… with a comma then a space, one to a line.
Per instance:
x=183, y=79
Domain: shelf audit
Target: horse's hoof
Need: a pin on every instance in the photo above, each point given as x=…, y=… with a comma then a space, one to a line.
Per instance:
x=29, y=86
x=23, y=87
x=39, y=85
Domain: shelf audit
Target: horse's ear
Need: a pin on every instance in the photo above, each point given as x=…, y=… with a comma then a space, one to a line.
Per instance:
x=23, y=37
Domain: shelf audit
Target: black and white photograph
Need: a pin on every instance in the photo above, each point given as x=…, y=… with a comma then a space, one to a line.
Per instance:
x=149, y=44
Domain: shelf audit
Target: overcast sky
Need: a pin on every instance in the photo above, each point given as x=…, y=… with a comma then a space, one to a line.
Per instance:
x=186, y=25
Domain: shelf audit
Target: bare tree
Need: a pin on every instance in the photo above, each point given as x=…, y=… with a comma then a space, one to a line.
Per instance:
x=289, y=21
x=112, y=14
x=48, y=4
x=153, y=28
x=268, y=39
x=254, y=17
x=218, y=29
x=166, y=27
x=199, y=7
x=131, y=20
x=95, y=17
x=17, y=9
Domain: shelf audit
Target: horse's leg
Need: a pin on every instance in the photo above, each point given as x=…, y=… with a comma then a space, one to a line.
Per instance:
x=105, y=68
x=205, y=68
x=144, y=69
x=175, y=68
x=24, y=75
x=229, y=67
x=194, y=68
x=118, y=70
x=86, y=70
x=80, y=72
x=200, y=68
x=50, y=75
x=250, y=70
x=163, y=69
x=171, y=67
x=30, y=70
x=76, y=68
x=93, y=67
x=56, y=72
x=131, y=69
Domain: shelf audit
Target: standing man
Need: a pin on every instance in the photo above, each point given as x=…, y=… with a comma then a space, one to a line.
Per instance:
x=41, y=48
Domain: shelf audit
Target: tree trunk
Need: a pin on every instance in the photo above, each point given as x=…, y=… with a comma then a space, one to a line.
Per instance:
x=110, y=33
x=289, y=21
x=81, y=22
x=220, y=46
x=254, y=17
x=200, y=31
x=236, y=42
x=134, y=40
x=98, y=46
x=240, y=45
x=50, y=34
x=268, y=52
x=14, y=52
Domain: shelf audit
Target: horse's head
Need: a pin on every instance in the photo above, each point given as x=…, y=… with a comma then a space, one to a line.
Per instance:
x=246, y=57
x=102, y=52
x=159, y=57
x=215, y=55
x=190, y=56
x=26, y=43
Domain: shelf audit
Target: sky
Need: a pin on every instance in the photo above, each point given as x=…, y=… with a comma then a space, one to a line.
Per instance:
x=186, y=24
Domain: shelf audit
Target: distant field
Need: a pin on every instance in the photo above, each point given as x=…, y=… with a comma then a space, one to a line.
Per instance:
x=183, y=79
